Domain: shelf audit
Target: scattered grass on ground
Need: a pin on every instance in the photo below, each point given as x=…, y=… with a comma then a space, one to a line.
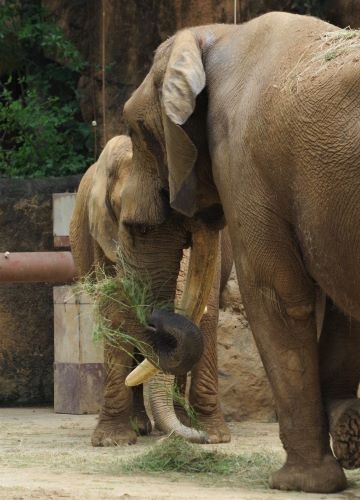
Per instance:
x=173, y=456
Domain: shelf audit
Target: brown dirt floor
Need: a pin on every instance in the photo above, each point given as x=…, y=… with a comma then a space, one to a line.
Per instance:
x=47, y=455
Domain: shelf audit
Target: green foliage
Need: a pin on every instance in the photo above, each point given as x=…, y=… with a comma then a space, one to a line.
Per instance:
x=41, y=129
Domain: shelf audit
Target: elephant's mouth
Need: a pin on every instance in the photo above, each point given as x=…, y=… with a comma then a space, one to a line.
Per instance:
x=176, y=341
x=175, y=337
x=162, y=341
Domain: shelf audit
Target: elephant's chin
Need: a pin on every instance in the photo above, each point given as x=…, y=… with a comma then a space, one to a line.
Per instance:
x=176, y=341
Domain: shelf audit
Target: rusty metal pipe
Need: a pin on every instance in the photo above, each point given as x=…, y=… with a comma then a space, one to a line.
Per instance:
x=36, y=267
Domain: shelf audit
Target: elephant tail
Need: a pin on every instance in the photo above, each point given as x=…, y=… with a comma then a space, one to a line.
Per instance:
x=162, y=407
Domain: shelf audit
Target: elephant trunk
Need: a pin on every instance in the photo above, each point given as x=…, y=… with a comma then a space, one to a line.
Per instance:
x=177, y=340
x=200, y=278
x=162, y=408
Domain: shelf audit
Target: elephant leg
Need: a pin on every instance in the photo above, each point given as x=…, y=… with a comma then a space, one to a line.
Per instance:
x=279, y=298
x=288, y=347
x=204, y=393
x=340, y=374
x=114, y=425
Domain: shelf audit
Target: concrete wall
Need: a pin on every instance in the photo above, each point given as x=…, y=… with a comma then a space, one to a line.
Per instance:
x=26, y=310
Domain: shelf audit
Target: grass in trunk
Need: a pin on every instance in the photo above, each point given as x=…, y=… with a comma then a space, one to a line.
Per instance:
x=124, y=293
x=174, y=454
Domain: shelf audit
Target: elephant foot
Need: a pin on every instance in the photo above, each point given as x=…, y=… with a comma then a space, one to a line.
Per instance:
x=141, y=424
x=111, y=432
x=215, y=427
x=327, y=477
x=344, y=420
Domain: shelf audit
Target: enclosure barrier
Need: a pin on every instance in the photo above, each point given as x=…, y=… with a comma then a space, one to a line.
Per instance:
x=37, y=267
x=78, y=361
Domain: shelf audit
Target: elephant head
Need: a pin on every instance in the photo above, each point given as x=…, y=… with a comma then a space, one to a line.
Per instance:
x=166, y=116
x=151, y=245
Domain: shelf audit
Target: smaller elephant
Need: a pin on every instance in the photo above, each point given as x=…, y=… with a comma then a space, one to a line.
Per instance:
x=99, y=199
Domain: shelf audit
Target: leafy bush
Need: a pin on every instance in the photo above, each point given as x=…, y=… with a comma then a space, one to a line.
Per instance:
x=41, y=129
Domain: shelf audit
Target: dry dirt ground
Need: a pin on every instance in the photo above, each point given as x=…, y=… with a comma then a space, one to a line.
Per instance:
x=47, y=455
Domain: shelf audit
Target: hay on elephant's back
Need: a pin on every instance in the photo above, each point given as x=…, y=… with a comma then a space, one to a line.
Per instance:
x=332, y=50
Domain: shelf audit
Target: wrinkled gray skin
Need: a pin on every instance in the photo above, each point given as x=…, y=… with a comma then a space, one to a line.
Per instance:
x=94, y=236
x=241, y=119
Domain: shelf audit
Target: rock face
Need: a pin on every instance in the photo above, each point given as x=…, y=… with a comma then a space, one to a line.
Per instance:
x=26, y=310
x=253, y=8
x=244, y=388
x=343, y=13
x=122, y=37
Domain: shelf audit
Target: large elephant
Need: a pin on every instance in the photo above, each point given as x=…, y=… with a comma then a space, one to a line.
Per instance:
x=261, y=123
x=94, y=235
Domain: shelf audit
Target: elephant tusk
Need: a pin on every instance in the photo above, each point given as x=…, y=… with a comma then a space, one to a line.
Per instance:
x=143, y=372
x=200, y=278
x=200, y=275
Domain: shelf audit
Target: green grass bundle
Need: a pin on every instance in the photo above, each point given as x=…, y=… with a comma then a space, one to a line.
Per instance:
x=177, y=455
x=122, y=293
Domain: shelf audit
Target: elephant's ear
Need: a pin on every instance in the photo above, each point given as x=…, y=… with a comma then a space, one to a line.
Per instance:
x=103, y=226
x=184, y=79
